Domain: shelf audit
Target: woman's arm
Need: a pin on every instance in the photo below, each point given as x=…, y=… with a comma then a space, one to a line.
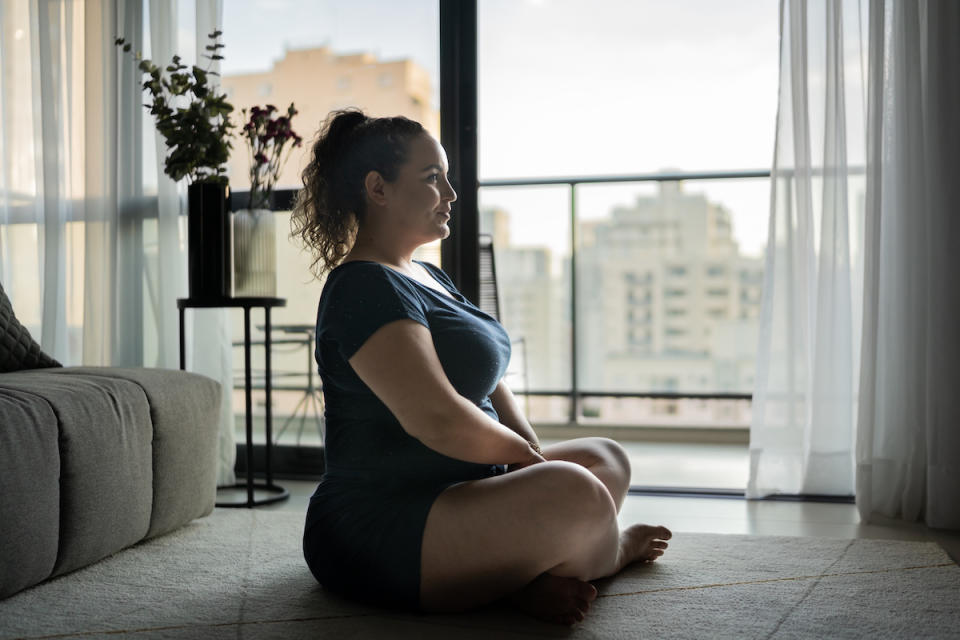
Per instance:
x=510, y=413
x=400, y=365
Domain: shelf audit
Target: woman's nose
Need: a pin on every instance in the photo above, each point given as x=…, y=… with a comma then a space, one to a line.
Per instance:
x=450, y=194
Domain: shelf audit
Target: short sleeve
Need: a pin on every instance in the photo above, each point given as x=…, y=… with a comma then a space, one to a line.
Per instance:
x=359, y=299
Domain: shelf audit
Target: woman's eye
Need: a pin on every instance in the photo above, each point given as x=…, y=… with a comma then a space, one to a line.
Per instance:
x=433, y=177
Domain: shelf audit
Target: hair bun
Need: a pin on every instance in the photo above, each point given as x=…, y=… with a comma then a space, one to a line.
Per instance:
x=340, y=124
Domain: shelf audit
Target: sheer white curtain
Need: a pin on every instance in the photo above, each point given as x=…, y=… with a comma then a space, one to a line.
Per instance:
x=859, y=351
x=908, y=443
x=802, y=431
x=91, y=257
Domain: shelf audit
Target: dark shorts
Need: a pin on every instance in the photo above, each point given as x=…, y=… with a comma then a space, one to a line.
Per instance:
x=364, y=541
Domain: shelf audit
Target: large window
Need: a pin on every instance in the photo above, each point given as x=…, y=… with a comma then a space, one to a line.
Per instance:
x=622, y=154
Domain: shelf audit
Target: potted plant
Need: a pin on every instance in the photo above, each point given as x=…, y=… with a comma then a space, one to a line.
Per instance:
x=193, y=118
x=269, y=139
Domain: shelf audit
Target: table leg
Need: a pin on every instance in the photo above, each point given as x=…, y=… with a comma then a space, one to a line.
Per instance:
x=183, y=348
x=248, y=391
x=269, y=400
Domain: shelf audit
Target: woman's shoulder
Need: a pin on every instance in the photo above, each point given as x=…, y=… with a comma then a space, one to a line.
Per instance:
x=359, y=271
x=358, y=298
x=363, y=279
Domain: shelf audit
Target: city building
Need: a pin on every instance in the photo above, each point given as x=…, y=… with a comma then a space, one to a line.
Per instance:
x=318, y=81
x=665, y=303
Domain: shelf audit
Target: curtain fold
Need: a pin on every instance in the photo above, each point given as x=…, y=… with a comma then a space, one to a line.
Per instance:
x=101, y=199
x=57, y=97
x=858, y=349
x=908, y=444
x=802, y=428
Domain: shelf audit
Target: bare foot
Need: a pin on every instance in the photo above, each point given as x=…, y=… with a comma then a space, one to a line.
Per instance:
x=554, y=599
x=642, y=543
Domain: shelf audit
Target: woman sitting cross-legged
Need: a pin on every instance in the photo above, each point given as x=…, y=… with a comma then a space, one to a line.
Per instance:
x=436, y=494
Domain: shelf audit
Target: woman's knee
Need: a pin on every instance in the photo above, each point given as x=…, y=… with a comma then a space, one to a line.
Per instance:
x=614, y=452
x=574, y=492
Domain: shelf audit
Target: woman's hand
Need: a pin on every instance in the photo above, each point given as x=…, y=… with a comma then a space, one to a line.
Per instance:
x=535, y=457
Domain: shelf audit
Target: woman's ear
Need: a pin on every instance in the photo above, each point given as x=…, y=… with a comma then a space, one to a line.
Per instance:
x=374, y=185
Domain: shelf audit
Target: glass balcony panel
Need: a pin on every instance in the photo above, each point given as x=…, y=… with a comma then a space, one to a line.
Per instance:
x=531, y=234
x=689, y=254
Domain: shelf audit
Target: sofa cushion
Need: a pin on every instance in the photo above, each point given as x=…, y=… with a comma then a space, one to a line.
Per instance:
x=18, y=350
x=30, y=499
x=185, y=411
x=105, y=435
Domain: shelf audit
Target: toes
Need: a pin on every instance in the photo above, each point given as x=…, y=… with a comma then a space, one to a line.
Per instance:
x=659, y=544
x=663, y=533
x=587, y=592
x=570, y=619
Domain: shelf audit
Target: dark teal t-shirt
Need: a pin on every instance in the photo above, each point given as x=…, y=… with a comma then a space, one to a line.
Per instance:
x=362, y=435
x=365, y=523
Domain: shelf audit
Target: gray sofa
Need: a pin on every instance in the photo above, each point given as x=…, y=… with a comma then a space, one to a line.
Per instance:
x=93, y=460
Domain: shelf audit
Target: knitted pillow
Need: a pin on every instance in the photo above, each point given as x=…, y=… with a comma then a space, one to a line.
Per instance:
x=17, y=349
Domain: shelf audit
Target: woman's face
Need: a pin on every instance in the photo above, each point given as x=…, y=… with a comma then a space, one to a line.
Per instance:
x=419, y=199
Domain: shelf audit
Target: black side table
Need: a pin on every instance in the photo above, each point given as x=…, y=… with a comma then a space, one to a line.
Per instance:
x=246, y=304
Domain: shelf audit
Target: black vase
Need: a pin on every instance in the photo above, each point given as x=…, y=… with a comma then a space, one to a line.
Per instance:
x=208, y=240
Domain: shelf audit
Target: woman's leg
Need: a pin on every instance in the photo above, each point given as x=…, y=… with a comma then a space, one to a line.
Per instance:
x=489, y=538
x=603, y=457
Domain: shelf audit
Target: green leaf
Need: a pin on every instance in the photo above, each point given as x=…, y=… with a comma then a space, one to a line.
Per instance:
x=196, y=134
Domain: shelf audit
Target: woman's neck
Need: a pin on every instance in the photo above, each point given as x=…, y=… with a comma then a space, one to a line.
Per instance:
x=366, y=248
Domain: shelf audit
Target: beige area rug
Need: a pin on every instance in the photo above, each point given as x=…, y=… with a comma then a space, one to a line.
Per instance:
x=239, y=574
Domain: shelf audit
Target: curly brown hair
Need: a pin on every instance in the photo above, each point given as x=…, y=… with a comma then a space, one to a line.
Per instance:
x=332, y=204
